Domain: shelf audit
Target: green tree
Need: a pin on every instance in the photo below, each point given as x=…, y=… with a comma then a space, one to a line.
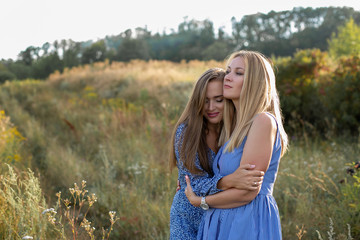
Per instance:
x=133, y=49
x=6, y=76
x=20, y=69
x=46, y=65
x=45, y=47
x=95, y=53
x=216, y=51
x=29, y=55
x=282, y=33
x=70, y=55
x=346, y=41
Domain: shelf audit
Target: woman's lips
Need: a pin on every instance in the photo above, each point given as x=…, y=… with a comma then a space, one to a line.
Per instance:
x=212, y=115
x=227, y=86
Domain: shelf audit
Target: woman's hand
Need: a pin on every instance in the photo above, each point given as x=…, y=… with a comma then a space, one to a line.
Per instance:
x=193, y=199
x=245, y=177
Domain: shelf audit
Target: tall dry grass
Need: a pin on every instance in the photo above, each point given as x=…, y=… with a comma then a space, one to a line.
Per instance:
x=21, y=205
x=110, y=124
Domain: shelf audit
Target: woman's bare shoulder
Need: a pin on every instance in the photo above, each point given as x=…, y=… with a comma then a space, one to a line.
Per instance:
x=263, y=122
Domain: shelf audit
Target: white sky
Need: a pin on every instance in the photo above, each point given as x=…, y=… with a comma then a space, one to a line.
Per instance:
x=25, y=23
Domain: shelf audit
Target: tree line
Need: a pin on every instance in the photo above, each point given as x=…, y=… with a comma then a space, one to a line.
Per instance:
x=274, y=34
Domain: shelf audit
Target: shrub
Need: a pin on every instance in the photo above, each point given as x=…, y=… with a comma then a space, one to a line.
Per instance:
x=6, y=76
x=10, y=142
x=298, y=81
x=342, y=94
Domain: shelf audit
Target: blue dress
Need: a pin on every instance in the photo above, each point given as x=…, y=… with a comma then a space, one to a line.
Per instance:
x=260, y=218
x=184, y=217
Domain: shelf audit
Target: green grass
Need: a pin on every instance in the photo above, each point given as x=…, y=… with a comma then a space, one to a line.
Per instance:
x=110, y=126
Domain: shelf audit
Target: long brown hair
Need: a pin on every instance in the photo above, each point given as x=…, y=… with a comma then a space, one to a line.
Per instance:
x=258, y=94
x=194, y=138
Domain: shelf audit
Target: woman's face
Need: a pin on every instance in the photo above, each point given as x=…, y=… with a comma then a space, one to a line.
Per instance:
x=234, y=79
x=214, y=102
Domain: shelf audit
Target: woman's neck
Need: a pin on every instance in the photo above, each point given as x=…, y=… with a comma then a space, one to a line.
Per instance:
x=213, y=128
x=212, y=137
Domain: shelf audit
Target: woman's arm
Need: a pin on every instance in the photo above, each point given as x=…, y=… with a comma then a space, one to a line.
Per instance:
x=262, y=133
x=225, y=199
x=242, y=179
x=202, y=184
x=245, y=177
x=205, y=184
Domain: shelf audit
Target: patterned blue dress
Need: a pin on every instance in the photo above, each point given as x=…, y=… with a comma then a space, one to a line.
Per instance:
x=259, y=219
x=184, y=217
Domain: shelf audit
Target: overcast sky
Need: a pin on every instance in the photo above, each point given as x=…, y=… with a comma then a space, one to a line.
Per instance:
x=26, y=23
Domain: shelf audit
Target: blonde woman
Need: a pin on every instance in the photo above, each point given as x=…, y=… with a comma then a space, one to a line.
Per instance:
x=193, y=148
x=253, y=134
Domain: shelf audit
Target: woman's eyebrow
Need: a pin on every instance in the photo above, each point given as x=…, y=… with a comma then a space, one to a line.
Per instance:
x=216, y=96
x=239, y=68
x=236, y=68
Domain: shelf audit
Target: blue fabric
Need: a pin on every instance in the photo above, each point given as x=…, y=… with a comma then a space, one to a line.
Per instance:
x=260, y=218
x=185, y=218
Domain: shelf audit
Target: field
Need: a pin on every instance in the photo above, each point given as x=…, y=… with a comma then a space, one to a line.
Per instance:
x=109, y=124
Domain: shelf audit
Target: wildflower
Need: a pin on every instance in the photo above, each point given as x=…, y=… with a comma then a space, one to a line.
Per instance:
x=92, y=199
x=84, y=191
x=49, y=210
x=112, y=214
x=113, y=219
x=58, y=194
x=52, y=219
x=87, y=225
x=138, y=168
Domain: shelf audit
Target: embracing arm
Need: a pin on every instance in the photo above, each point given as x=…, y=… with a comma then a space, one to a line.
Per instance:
x=202, y=184
x=262, y=133
x=225, y=199
x=245, y=178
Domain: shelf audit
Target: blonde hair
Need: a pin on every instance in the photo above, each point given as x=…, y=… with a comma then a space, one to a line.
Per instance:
x=258, y=94
x=194, y=137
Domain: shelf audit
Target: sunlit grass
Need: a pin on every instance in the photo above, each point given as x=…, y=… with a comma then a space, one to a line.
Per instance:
x=110, y=124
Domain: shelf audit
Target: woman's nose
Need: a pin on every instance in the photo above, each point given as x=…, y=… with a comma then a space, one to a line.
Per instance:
x=228, y=77
x=211, y=105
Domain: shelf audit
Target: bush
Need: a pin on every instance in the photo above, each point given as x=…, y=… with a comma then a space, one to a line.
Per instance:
x=298, y=81
x=342, y=94
x=318, y=96
x=6, y=76
x=10, y=142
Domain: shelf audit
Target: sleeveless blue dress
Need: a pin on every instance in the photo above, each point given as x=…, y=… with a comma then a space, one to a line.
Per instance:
x=260, y=218
x=184, y=217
